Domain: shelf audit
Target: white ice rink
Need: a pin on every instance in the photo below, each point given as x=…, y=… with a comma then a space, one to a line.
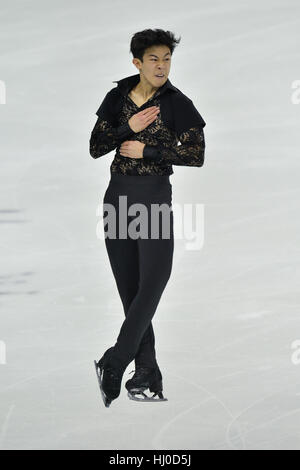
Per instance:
x=228, y=324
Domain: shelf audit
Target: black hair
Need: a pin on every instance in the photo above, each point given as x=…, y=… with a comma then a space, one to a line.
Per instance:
x=151, y=37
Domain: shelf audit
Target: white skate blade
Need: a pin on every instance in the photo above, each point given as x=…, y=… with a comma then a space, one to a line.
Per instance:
x=134, y=395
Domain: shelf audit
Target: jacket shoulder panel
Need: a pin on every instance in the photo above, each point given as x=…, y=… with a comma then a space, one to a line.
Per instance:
x=110, y=106
x=186, y=115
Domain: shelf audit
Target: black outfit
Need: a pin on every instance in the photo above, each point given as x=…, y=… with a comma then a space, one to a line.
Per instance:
x=178, y=119
x=142, y=266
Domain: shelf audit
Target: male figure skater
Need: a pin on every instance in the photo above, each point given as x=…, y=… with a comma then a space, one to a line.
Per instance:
x=143, y=118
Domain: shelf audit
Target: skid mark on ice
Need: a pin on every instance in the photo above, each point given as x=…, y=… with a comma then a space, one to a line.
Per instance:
x=68, y=366
x=4, y=427
x=242, y=220
x=157, y=441
x=241, y=339
x=47, y=372
x=248, y=34
x=241, y=273
x=252, y=405
x=250, y=315
x=226, y=376
x=271, y=421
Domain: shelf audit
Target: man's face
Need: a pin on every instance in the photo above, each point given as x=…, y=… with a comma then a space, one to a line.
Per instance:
x=156, y=61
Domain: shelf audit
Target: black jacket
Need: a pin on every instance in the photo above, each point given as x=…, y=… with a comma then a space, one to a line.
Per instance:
x=178, y=120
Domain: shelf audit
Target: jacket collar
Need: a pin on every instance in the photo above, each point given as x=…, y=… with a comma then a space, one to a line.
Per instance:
x=127, y=83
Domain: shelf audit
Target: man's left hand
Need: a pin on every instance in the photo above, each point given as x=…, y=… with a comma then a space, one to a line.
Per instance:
x=132, y=149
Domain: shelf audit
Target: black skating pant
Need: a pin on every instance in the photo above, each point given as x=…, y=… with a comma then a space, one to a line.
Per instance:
x=141, y=259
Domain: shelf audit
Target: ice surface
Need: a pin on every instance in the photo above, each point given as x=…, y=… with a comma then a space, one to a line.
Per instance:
x=228, y=322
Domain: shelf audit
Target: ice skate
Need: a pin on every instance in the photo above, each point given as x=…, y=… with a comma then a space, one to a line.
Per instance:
x=109, y=378
x=143, y=379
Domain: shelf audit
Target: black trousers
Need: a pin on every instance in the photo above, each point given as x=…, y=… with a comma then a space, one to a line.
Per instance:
x=140, y=247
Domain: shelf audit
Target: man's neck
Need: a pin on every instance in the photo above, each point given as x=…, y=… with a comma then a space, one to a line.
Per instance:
x=144, y=89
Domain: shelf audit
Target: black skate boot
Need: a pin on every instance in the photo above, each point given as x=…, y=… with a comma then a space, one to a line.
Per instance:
x=109, y=376
x=143, y=379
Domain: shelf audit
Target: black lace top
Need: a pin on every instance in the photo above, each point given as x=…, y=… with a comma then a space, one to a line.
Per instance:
x=178, y=120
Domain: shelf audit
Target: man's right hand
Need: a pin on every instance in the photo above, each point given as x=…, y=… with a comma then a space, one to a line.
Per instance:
x=139, y=121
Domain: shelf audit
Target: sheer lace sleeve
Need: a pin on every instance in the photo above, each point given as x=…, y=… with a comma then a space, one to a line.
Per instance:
x=189, y=153
x=106, y=134
x=189, y=129
x=105, y=138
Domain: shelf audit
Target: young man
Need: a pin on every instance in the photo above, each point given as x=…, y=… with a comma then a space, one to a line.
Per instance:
x=143, y=118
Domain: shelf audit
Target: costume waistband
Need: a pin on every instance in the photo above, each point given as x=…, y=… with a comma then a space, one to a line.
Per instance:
x=139, y=179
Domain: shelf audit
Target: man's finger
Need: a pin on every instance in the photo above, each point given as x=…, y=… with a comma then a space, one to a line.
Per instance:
x=148, y=110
